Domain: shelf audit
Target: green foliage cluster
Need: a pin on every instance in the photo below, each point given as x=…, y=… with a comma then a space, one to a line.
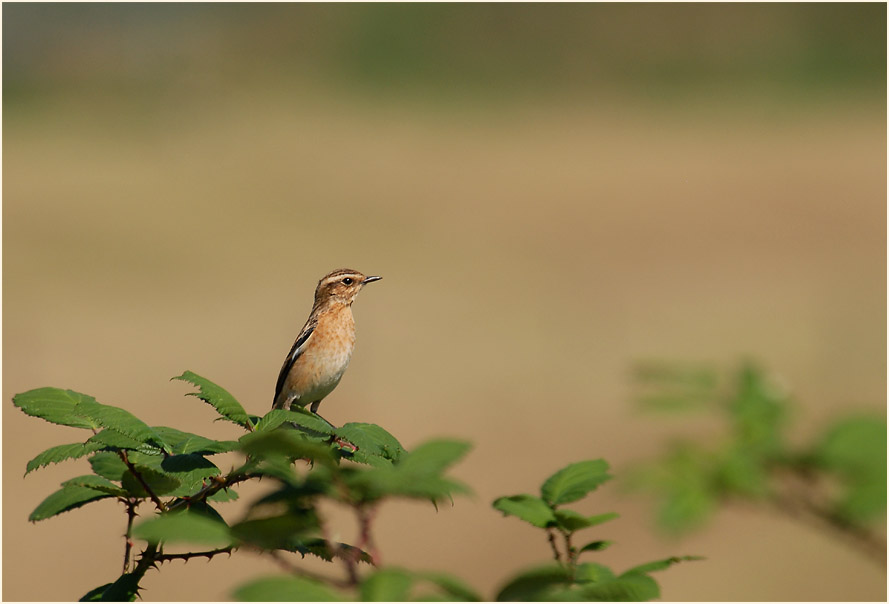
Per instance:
x=838, y=479
x=307, y=461
x=568, y=579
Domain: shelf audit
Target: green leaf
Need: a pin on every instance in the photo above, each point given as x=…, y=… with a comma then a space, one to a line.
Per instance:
x=96, y=483
x=318, y=547
x=218, y=398
x=119, y=420
x=125, y=589
x=301, y=494
x=371, y=439
x=573, y=482
x=108, y=465
x=387, y=585
x=178, y=475
x=224, y=496
x=184, y=527
x=451, y=585
x=182, y=443
x=61, y=453
x=285, y=443
x=299, y=416
x=660, y=564
x=65, y=499
x=759, y=413
x=359, y=456
x=95, y=594
x=596, y=546
x=279, y=468
x=741, y=472
x=626, y=588
x=184, y=474
x=202, y=508
x=116, y=440
x=160, y=483
x=601, y=518
x=416, y=475
x=862, y=502
x=271, y=420
x=190, y=470
x=687, y=505
x=294, y=496
x=55, y=405
x=683, y=481
x=533, y=584
x=529, y=508
x=433, y=457
x=286, y=589
x=593, y=572
x=277, y=532
x=571, y=521
x=856, y=447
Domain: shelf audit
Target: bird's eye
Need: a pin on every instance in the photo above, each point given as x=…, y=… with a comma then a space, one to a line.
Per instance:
x=347, y=281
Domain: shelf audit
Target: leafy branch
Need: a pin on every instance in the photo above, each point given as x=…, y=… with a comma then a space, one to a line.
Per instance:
x=836, y=482
x=569, y=579
x=306, y=461
x=359, y=465
x=799, y=496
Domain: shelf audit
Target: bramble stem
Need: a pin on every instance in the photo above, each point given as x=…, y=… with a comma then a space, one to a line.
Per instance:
x=801, y=502
x=551, y=535
x=131, y=515
x=146, y=561
x=154, y=498
x=189, y=555
x=217, y=484
x=570, y=553
x=365, y=517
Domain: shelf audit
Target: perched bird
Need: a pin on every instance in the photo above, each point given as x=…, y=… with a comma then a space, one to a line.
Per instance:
x=321, y=353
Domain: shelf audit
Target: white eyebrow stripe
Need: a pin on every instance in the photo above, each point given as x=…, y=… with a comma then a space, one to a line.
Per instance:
x=340, y=276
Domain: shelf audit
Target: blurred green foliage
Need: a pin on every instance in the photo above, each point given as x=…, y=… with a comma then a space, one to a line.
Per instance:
x=503, y=51
x=854, y=450
x=838, y=479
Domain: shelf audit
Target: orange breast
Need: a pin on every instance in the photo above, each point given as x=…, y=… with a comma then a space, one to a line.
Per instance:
x=325, y=357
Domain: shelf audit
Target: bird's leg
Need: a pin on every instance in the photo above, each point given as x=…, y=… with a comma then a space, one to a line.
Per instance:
x=314, y=409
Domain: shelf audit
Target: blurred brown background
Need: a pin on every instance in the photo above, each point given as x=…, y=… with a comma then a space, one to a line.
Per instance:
x=551, y=194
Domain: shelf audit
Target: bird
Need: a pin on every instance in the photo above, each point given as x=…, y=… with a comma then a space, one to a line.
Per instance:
x=322, y=350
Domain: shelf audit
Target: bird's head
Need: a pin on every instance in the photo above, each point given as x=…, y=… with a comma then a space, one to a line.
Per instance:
x=341, y=286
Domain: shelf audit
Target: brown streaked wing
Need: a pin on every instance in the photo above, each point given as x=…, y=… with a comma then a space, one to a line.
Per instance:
x=293, y=355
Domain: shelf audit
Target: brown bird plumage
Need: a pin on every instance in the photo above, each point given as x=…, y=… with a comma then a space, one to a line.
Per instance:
x=322, y=350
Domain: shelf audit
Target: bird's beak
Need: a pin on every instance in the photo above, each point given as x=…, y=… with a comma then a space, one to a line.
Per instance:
x=369, y=279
